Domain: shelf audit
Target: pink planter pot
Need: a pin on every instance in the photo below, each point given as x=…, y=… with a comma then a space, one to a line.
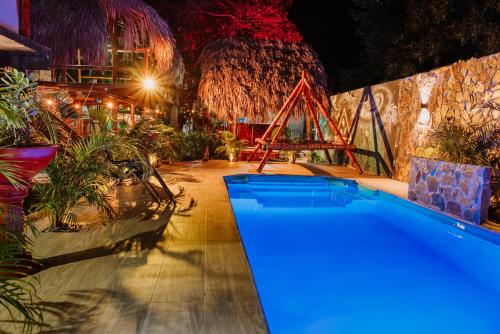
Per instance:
x=30, y=161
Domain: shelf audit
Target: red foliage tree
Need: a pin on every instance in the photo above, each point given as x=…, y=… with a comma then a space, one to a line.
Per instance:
x=198, y=22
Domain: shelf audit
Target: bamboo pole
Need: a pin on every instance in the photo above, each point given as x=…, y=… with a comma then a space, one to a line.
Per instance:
x=316, y=123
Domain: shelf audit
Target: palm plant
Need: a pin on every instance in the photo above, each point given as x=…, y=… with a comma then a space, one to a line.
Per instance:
x=82, y=171
x=18, y=290
x=477, y=144
x=168, y=145
x=231, y=145
x=17, y=103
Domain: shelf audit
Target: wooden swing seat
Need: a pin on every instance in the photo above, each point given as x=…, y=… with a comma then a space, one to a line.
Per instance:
x=305, y=146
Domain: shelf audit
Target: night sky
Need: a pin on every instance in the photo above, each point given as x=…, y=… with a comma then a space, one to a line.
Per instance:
x=330, y=32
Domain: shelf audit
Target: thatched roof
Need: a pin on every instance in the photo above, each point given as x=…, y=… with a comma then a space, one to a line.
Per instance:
x=69, y=25
x=254, y=78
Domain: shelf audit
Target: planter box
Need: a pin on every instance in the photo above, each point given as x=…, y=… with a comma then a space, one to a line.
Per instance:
x=459, y=190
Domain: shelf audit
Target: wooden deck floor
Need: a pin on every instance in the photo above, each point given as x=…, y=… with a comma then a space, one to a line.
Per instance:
x=158, y=271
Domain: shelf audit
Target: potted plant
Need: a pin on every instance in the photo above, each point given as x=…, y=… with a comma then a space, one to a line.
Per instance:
x=292, y=156
x=18, y=107
x=231, y=146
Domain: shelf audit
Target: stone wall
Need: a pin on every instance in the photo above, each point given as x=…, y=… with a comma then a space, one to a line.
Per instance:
x=457, y=189
x=389, y=122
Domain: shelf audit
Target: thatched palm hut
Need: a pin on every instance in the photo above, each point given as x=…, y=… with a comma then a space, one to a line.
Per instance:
x=248, y=78
x=86, y=25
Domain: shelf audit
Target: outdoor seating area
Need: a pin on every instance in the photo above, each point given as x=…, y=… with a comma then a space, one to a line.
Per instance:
x=226, y=167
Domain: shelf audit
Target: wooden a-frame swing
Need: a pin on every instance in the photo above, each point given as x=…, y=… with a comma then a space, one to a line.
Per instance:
x=269, y=141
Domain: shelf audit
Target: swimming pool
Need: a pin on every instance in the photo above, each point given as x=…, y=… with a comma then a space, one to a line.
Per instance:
x=329, y=256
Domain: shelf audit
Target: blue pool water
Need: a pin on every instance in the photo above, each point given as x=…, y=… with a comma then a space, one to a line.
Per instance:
x=329, y=256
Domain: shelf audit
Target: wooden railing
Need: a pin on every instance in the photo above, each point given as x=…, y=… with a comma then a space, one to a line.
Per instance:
x=94, y=74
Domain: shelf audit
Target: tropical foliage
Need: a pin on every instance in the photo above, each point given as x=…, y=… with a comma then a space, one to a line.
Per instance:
x=25, y=117
x=82, y=171
x=196, y=143
x=18, y=296
x=168, y=143
x=231, y=145
x=17, y=103
x=477, y=144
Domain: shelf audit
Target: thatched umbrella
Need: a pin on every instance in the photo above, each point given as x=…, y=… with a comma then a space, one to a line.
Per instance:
x=248, y=78
x=69, y=25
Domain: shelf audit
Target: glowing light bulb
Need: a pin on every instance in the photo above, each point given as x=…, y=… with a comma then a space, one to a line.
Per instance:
x=109, y=105
x=149, y=83
x=424, y=117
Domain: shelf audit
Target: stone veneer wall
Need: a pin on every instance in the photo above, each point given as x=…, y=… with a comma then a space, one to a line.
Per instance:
x=457, y=189
x=391, y=123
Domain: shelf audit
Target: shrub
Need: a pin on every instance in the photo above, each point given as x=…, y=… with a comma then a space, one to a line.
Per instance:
x=470, y=143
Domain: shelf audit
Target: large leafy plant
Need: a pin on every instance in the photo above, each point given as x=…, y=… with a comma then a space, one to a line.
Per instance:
x=231, y=145
x=471, y=143
x=18, y=296
x=17, y=104
x=82, y=171
x=168, y=143
x=25, y=118
x=196, y=142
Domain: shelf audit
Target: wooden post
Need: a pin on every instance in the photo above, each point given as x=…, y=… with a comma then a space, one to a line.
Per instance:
x=332, y=125
x=79, y=62
x=316, y=123
x=63, y=78
x=114, y=53
x=132, y=114
x=146, y=61
x=276, y=119
x=23, y=8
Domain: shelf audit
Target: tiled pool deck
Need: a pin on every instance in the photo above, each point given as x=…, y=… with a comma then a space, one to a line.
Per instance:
x=180, y=273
